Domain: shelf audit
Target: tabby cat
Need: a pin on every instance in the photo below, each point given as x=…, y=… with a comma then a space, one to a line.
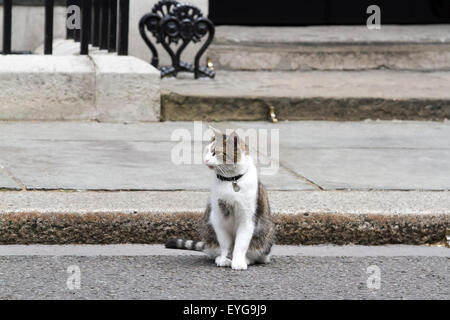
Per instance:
x=237, y=228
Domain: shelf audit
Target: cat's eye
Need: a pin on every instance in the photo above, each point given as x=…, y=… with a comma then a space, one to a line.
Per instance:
x=214, y=153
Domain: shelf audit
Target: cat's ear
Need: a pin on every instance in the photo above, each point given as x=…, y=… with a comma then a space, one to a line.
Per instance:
x=217, y=132
x=234, y=150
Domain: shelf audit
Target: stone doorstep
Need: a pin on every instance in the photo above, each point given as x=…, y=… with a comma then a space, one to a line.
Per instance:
x=424, y=48
x=315, y=95
x=302, y=217
x=306, y=58
x=100, y=87
x=344, y=35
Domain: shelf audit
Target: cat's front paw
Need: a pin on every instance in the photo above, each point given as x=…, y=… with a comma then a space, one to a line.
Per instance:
x=223, y=261
x=239, y=264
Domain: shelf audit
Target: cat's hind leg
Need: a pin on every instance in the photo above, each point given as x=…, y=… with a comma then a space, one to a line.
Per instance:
x=255, y=256
x=265, y=258
x=212, y=253
x=249, y=261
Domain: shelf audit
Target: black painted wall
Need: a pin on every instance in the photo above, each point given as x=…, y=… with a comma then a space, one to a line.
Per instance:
x=326, y=12
x=35, y=2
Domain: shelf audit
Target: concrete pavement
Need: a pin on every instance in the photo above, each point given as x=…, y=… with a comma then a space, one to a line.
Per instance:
x=151, y=272
x=371, y=182
x=388, y=203
x=384, y=155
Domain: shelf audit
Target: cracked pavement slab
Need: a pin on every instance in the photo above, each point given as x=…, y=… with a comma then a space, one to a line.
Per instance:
x=6, y=181
x=384, y=155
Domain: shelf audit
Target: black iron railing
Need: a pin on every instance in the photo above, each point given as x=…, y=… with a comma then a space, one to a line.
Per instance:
x=48, y=27
x=172, y=23
x=7, y=14
x=103, y=24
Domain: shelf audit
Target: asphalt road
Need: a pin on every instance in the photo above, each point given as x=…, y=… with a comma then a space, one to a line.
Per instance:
x=146, y=272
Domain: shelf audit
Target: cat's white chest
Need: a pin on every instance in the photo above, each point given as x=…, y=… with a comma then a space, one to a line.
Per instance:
x=242, y=202
x=237, y=204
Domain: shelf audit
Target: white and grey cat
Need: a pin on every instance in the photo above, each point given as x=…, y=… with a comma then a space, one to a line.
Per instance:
x=237, y=228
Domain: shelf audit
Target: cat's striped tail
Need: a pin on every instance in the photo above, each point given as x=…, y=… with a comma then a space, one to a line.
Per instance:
x=185, y=244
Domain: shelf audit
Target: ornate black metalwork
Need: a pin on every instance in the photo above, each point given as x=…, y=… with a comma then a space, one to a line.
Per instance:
x=174, y=23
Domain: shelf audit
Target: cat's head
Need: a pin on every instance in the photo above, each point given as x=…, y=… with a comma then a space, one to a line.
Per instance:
x=225, y=152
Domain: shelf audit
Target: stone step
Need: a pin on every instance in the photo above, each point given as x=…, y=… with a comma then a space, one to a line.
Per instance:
x=418, y=47
x=309, y=95
x=302, y=217
x=106, y=88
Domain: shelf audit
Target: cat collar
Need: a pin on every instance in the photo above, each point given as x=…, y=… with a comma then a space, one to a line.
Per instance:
x=233, y=179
